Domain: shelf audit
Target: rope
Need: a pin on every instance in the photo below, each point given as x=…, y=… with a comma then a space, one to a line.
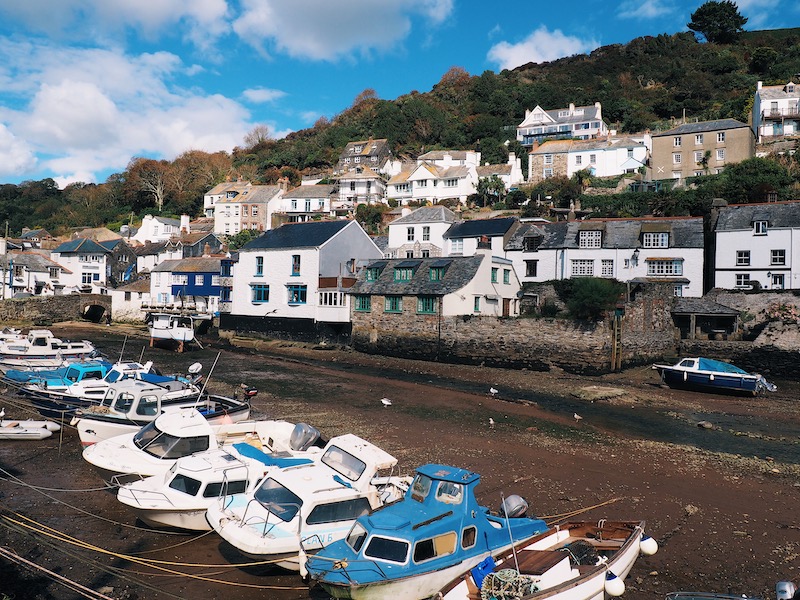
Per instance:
x=560, y=517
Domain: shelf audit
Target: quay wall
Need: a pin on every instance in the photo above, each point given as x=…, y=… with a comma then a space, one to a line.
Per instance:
x=45, y=310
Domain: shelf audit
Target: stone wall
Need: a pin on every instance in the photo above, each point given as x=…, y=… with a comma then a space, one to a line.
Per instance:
x=44, y=310
x=648, y=332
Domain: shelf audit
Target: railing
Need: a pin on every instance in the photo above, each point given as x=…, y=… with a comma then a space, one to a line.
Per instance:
x=777, y=113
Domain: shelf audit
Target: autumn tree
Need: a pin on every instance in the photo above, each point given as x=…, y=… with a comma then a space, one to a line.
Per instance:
x=148, y=179
x=256, y=136
x=718, y=22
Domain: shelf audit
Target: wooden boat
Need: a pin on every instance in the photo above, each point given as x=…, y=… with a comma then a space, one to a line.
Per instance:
x=712, y=375
x=40, y=348
x=179, y=432
x=180, y=498
x=131, y=404
x=413, y=548
x=27, y=429
x=574, y=561
x=297, y=510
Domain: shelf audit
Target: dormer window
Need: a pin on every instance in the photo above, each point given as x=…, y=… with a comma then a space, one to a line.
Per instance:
x=760, y=227
x=373, y=273
x=403, y=273
x=655, y=240
x=790, y=88
x=590, y=239
x=358, y=149
x=531, y=243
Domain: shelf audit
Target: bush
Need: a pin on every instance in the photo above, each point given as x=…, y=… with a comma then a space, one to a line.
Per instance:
x=589, y=298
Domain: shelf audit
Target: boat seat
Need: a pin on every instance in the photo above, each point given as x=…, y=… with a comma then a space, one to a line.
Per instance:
x=536, y=562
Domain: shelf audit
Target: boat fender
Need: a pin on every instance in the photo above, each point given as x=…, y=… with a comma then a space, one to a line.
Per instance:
x=684, y=376
x=711, y=377
x=648, y=545
x=614, y=586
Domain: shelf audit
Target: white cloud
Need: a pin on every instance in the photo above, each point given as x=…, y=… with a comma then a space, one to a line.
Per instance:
x=540, y=46
x=328, y=31
x=16, y=155
x=647, y=9
x=260, y=95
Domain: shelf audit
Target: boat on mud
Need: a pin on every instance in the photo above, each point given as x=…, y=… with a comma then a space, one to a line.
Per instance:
x=40, y=348
x=26, y=429
x=707, y=374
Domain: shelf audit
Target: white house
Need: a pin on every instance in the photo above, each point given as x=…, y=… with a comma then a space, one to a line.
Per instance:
x=758, y=243
x=127, y=301
x=157, y=229
x=32, y=272
x=226, y=189
x=648, y=248
x=775, y=111
x=304, y=203
x=602, y=157
x=86, y=265
x=419, y=233
x=463, y=238
x=582, y=122
x=509, y=173
x=246, y=208
x=298, y=272
x=360, y=185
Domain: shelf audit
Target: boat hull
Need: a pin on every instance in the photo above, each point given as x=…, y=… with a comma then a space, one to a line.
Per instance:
x=707, y=381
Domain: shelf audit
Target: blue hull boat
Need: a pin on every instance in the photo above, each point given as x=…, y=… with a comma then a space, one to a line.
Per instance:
x=712, y=375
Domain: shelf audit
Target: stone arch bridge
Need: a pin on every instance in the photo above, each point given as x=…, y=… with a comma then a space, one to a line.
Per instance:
x=50, y=309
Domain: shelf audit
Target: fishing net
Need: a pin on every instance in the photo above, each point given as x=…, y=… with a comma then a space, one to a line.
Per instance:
x=507, y=584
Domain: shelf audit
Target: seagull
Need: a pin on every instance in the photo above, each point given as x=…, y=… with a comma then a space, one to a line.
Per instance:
x=2, y=412
x=493, y=391
x=386, y=402
x=577, y=417
x=491, y=423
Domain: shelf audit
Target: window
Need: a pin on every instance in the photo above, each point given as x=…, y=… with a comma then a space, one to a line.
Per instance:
x=721, y=137
x=295, y=265
x=592, y=158
x=506, y=276
x=698, y=139
x=457, y=246
x=409, y=254
x=422, y=183
x=720, y=153
x=661, y=268
x=532, y=243
x=381, y=548
x=86, y=278
x=297, y=293
x=547, y=173
x=655, y=240
x=254, y=212
x=677, y=291
x=698, y=156
x=777, y=257
x=180, y=279
x=363, y=303
x=606, y=268
x=437, y=273
x=676, y=158
x=215, y=280
x=743, y=280
x=410, y=234
x=578, y=160
x=226, y=269
x=331, y=299
x=244, y=210
x=742, y=258
x=199, y=279
x=548, y=159
x=582, y=268
x=373, y=273
x=469, y=536
x=426, y=305
x=676, y=142
x=294, y=204
x=225, y=294
x=450, y=183
x=352, y=186
x=393, y=304
x=344, y=510
x=308, y=205
x=476, y=304
x=259, y=293
x=760, y=227
x=426, y=233
x=630, y=152
x=494, y=274
x=531, y=267
x=441, y=545
x=403, y=273
x=590, y=239
x=259, y=266
x=127, y=296
x=54, y=271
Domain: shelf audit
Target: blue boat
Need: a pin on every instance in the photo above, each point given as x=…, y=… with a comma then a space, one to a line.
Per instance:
x=412, y=548
x=62, y=377
x=706, y=374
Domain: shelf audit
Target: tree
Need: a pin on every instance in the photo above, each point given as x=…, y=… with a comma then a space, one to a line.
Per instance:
x=257, y=135
x=589, y=298
x=490, y=190
x=240, y=239
x=149, y=177
x=752, y=180
x=718, y=22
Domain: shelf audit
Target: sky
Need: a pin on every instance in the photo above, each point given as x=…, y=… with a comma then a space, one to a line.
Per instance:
x=86, y=85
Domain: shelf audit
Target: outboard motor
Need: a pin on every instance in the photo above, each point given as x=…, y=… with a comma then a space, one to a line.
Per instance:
x=514, y=506
x=250, y=392
x=785, y=590
x=303, y=437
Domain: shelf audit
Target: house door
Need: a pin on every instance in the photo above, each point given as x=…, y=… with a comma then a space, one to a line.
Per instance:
x=506, y=307
x=777, y=129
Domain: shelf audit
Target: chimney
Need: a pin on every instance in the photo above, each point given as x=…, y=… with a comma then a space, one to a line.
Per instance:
x=571, y=108
x=206, y=250
x=484, y=243
x=185, y=227
x=758, y=86
x=283, y=183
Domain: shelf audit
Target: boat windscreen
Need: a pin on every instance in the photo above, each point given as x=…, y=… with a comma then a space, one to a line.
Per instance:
x=708, y=364
x=278, y=499
x=169, y=447
x=344, y=463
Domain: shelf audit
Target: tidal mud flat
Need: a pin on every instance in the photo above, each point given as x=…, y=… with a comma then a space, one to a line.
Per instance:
x=723, y=502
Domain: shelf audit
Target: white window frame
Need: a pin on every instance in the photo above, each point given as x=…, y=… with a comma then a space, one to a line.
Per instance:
x=743, y=258
x=607, y=267
x=676, y=158
x=676, y=141
x=582, y=267
x=591, y=238
x=720, y=153
x=655, y=240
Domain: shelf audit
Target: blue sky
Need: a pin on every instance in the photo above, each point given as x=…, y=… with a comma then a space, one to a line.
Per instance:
x=85, y=85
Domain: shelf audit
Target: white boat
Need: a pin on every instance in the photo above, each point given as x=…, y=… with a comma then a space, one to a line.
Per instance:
x=40, y=348
x=298, y=510
x=574, y=561
x=27, y=429
x=172, y=328
x=180, y=498
x=131, y=404
x=177, y=433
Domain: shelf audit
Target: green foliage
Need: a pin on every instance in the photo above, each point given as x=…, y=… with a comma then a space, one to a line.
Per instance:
x=370, y=217
x=490, y=190
x=718, y=22
x=240, y=239
x=589, y=298
x=752, y=179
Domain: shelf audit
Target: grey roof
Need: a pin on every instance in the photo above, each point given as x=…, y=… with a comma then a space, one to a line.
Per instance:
x=778, y=92
x=489, y=170
x=459, y=271
x=35, y=261
x=741, y=216
x=428, y=214
x=200, y=264
x=34, y=233
x=685, y=232
x=703, y=126
x=296, y=235
x=382, y=242
x=255, y=194
x=479, y=227
x=149, y=248
x=81, y=246
x=701, y=306
x=440, y=154
x=310, y=191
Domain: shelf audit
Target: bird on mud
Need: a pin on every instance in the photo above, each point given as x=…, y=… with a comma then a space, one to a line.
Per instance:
x=577, y=417
x=491, y=423
x=386, y=402
x=493, y=391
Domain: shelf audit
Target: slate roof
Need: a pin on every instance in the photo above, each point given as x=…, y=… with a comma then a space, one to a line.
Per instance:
x=140, y=285
x=34, y=233
x=479, y=227
x=685, y=232
x=741, y=216
x=560, y=146
x=98, y=234
x=205, y=224
x=311, y=191
x=428, y=214
x=149, y=248
x=297, y=235
x=701, y=306
x=459, y=271
x=110, y=244
x=81, y=246
x=254, y=194
x=588, y=113
x=440, y=154
x=204, y=264
x=778, y=92
x=362, y=172
x=35, y=261
x=489, y=170
x=382, y=242
x=703, y=127
x=368, y=147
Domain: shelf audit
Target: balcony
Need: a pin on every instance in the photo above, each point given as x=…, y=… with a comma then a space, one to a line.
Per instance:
x=780, y=113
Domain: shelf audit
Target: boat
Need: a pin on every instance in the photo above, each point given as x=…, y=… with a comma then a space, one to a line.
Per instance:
x=298, y=510
x=40, y=348
x=59, y=378
x=179, y=499
x=176, y=433
x=413, y=548
x=131, y=404
x=168, y=327
x=707, y=374
x=27, y=429
x=581, y=560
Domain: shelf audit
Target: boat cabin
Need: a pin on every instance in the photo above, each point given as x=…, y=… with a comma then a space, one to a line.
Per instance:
x=137, y=398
